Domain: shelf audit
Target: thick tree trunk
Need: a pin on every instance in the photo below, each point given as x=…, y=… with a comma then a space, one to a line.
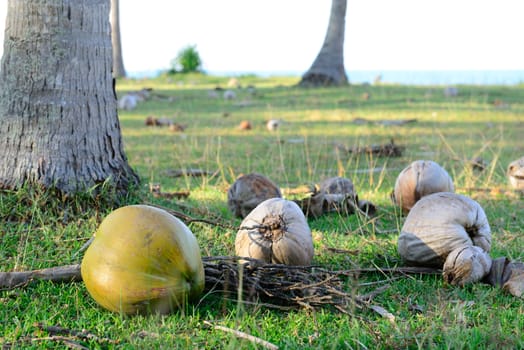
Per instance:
x=58, y=116
x=118, y=61
x=328, y=67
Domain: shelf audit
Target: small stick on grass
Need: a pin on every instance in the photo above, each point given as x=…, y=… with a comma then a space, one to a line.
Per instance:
x=84, y=335
x=243, y=335
x=190, y=172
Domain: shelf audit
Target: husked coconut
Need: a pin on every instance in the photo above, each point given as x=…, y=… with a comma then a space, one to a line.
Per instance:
x=516, y=174
x=449, y=231
x=248, y=191
x=229, y=95
x=276, y=231
x=273, y=124
x=420, y=178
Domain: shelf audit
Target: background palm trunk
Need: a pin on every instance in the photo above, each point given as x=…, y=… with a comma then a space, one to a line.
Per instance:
x=118, y=60
x=58, y=118
x=328, y=67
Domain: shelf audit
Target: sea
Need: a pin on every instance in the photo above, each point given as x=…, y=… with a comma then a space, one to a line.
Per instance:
x=401, y=77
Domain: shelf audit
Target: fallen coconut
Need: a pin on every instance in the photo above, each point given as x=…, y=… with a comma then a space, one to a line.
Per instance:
x=420, y=178
x=248, y=191
x=449, y=231
x=341, y=197
x=277, y=232
x=516, y=174
x=143, y=260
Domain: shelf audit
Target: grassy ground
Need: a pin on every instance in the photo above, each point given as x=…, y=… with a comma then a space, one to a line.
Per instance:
x=486, y=122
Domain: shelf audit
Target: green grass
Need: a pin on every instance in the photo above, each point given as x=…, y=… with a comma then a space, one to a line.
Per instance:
x=428, y=313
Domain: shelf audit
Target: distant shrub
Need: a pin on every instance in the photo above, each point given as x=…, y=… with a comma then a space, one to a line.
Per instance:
x=187, y=61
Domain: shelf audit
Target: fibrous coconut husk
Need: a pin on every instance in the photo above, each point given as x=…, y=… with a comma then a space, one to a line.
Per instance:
x=466, y=265
x=508, y=275
x=334, y=194
x=450, y=230
x=516, y=174
x=277, y=232
x=248, y=191
x=420, y=178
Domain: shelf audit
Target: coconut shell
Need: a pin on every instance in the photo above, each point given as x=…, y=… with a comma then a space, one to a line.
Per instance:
x=516, y=174
x=314, y=206
x=248, y=191
x=276, y=231
x=439, y=224
x=340, y=195
x=420, y=178
x=466, y=265
x=508, y=275
x=515, y=284
x=338, y=185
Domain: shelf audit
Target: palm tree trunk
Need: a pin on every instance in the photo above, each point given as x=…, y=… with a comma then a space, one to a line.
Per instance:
x=118, y=61
x=58, y=114
x=328, y=67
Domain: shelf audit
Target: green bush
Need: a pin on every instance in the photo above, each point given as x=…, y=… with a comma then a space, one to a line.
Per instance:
x=187, y=61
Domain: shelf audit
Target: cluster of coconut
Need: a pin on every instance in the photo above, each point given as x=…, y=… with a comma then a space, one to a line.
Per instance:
x=144, y=260
x=334, y=194
x=448, y=230
x=275, y=230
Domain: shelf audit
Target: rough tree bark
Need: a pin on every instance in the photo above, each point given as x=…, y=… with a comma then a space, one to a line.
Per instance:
x=58, y=114
x=118, y=60
x=328, y=67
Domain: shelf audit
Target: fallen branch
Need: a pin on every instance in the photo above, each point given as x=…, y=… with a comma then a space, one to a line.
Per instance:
x=271, y=285
x=384, y=122
x=12, y=280
x=68, y=337
x=189, y=172
x=83, y=334
x=157, y=192
x=492, y=191
x=386, y=150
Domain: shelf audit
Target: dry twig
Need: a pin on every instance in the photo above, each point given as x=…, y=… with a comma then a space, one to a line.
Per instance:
x=386, y=150
x=243, y=335
x=189, y=172
x=83, y=334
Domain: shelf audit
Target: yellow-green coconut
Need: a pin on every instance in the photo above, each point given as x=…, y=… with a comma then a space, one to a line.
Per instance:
x=143, y=260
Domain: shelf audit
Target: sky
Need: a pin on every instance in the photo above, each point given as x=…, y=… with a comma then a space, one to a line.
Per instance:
x=286, y=35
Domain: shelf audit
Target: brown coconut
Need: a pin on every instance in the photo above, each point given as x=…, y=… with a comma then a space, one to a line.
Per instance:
x=420, y=178
x=248, y=191
x=449, y=231
x=276, y=231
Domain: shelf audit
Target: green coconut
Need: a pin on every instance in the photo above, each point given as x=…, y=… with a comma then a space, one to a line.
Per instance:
x=143, y=260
